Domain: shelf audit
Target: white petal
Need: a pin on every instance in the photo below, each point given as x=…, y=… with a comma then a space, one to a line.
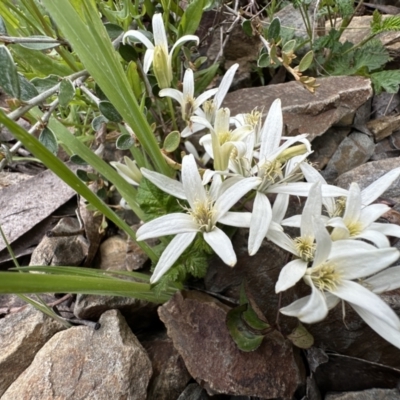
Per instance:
x=188, y=85
x=353, y=204
x=222, y=245
x=360, y=296
x=282, y=240
x=373, y=191
x=202, y=121
x=387, y=280
x=225, y=85
x=203, y=97
x=233, y=194
x=138, y=36
x=183, y=39
x=375, y=237
x=167, y=185
x=172, y=252
x=238, y=219
x=175, y=94
x=272, y=130
x=324, y=243
x=290, y=274
x=386, y=229
x=387, y=331
x=191, y=128
x=279, y=207
x=371, y=213
x=260, y=220
x=311, y=209
x=222, y=120
x=160, y=37
x=192, y=185
x=169, y=224
x=331, y=300
x=294, y=221
x=148, y=59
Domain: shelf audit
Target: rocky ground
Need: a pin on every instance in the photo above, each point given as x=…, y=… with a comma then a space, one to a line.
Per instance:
x=129, y=349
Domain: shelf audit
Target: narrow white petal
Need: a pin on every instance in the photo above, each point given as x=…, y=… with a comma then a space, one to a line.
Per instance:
x=188, y=85
x=333, y=191
x=371, y=213
x=353, y=204
x=138, y=36
x=290, y=274
x=386, y=229
x=373, y=191
x=324, y=242
x=387, y=280
x=203, y=97
x=191, y=128
x=148, y=59
x=282, y=240
x=167, y=185
x=331, y=300
x=279, y=207
x=192, y=185
x=160, y=37
x=272, y=130
x=375, y=237
x=169, y=224
x=241, y=133
x=360, y=296
x=260, y=220
x=225, y=85
x=202, y=121
x=355, y=259
x=293, y=188
x=216, y=185
x=233, y=194
x=172, y=252
x=238, y=219
x=294, y=221
x=387, y=331
x=175, y=94
x=222, y=245
x=183, y=39
x=311, y=209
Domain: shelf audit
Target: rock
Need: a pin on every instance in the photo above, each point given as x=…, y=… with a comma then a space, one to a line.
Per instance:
x=81, y=363
x=22, y=334
x=170, y=375
x=354, y=150
x=12, y=178
x=372, y=394
x=194, y=392
x=112, y=254
x=365, y=174
x=384, y=126
x=135, y=257
x=337, y=97
x=66, y=249
x=196, y=324
x=385, y=104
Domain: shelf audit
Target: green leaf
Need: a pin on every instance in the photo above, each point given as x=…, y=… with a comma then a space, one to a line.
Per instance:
x=113, y=30
x=48, y=140
x=109, y=111
x=306, y=61
x=3, y=29
x=28, y=90
x=300, y=337
x=247, y=28
x=245, y=339
x=379, y=24
x=191, y=18
x=9, y=80
x=387, y=81
x=205, y=77
x=125, y=142
x=98, y=122
x=43, y=84
x=289, y=46
x=66, y=92
x=78, y=160
x=39, y=45
x=172, y=141
x=274, y=29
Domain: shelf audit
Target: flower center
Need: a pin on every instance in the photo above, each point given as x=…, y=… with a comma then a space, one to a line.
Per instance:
x=209, y=108
x=305, y=247
x=270, y=172
x=188, y=108
x=355, y=228
x=340, y=206
x=253, y=118
x=325, y=276
x=203, y=214
x=224, y=136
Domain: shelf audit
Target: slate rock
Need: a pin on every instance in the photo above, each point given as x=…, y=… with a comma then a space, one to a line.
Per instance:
x=22, y=334
x=372, y=394
x=354, y=150
x=112, y=253
x=170, y=375
x=366, y=174
x=337, y=97
x=194, y=392
x=196, y=323
x=81, y=363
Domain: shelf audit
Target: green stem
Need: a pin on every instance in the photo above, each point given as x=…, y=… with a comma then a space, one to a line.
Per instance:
x=172, y=112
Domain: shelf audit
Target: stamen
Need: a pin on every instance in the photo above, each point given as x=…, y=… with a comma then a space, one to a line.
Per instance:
x=305, y=247
x=325, y=277
x=203, y=214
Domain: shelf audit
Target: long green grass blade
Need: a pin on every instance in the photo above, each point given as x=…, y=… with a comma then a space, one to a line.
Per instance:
x=63, y=172
x=85, y=32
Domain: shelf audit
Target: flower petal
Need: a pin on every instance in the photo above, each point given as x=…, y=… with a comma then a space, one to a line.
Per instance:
x=386, y=229
x=198, y=101
x=311, y=209
x=290, y=274
x=324, y=243
x=238, y=219
x=272, y=130
x=222, y=245
x=188, y=85
x=387, y=280
x=371, y=213
x=375, y=237
x=225, y=85
x=138, y=36
x=353, y=204
x=160, y=37
x=260, y=220
x=175, y=94
x=167, y=185
x=148, y=59
x=183, y=39
x=280, y=207
x=192, y=185
x=172, y=252
x=282, y=240
x=169, y=224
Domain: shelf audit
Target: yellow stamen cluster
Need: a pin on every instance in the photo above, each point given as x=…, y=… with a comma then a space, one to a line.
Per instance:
x=188, y=109
x=325, y=276
x=270, y=171
x=253, y=118
x=305, y=247
x=203, y=214
x=340, y=207
x=209, y=108
x=224, y=137
x=355, y=228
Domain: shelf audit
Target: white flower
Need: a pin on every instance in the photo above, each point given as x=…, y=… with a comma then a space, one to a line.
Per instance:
x=331, y=277
x=303, y=246
x=189, y=105
x=220, y=142
x=129, y=171
x=157, y=53
x=358, y=221
x=205, y=210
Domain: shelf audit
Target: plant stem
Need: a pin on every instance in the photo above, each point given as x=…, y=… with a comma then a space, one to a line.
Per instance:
x=172, y=112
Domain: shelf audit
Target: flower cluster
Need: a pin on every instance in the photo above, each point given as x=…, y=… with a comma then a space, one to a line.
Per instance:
x=341, y=252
